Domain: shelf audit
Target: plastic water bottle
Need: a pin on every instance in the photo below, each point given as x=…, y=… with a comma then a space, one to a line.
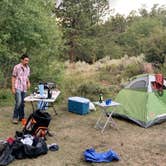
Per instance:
x=100, y=98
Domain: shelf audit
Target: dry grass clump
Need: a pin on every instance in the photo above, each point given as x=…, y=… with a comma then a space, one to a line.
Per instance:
x=77, y=67
x=80, y=67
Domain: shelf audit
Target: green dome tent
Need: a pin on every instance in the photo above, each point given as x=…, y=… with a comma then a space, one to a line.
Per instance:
x=141, y=103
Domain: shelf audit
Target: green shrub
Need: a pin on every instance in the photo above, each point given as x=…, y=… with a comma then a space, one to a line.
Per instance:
x=91, y=90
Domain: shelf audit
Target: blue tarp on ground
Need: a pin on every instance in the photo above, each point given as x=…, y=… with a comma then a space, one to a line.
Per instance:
x=92, y=156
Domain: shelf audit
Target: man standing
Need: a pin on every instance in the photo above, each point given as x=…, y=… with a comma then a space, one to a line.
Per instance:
x=20, y=84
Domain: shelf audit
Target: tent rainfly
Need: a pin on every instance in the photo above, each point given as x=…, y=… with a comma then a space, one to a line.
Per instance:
x=141, y=102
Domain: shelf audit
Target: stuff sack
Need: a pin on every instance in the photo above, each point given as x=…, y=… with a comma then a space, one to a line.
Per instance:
x=37, y=123
x=5, y=154
x=21, y=151
x=92, y=156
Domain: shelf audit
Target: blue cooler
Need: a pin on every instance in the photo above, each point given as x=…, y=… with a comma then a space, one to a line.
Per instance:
x=78, y=105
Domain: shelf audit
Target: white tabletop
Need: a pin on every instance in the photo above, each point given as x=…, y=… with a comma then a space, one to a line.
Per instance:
x=104, y=105
x=37, y=97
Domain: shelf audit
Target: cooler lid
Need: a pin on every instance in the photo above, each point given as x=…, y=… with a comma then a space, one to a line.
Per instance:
x=79, y=99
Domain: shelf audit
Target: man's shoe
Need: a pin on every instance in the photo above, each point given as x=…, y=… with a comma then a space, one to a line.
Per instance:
x=20, y=119
x=15, y=121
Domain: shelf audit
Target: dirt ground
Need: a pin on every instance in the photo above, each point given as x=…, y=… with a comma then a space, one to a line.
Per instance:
x=73, y=133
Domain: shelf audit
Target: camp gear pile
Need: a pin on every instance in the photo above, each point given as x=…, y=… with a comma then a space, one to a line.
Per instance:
x=30, y=142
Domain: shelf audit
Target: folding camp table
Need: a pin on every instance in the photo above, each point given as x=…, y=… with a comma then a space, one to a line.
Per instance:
x=44, y=102
x=106, y=115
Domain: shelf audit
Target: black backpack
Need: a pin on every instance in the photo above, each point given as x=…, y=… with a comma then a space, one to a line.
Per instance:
x=37, y=123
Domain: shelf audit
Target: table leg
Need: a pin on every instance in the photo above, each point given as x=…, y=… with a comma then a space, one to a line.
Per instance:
x=98, y=121
x=54, y=109
x=109, y=119
x=113, y=122
x=33, y=108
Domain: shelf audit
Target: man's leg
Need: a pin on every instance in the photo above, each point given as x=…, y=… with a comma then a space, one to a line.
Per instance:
x=17, y=106
x=21, y=110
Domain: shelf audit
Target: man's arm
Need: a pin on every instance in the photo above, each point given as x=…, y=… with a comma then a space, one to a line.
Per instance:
x=13, y=84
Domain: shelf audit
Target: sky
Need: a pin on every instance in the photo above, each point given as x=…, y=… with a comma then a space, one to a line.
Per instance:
x=124, y=7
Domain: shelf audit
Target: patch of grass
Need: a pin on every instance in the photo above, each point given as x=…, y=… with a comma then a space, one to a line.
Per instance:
x=6, y=97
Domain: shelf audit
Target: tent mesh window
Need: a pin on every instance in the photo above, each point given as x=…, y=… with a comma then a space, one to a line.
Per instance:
x=138, y=84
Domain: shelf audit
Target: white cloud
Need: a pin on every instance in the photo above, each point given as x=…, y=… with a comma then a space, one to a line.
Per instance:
x=126, y=6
